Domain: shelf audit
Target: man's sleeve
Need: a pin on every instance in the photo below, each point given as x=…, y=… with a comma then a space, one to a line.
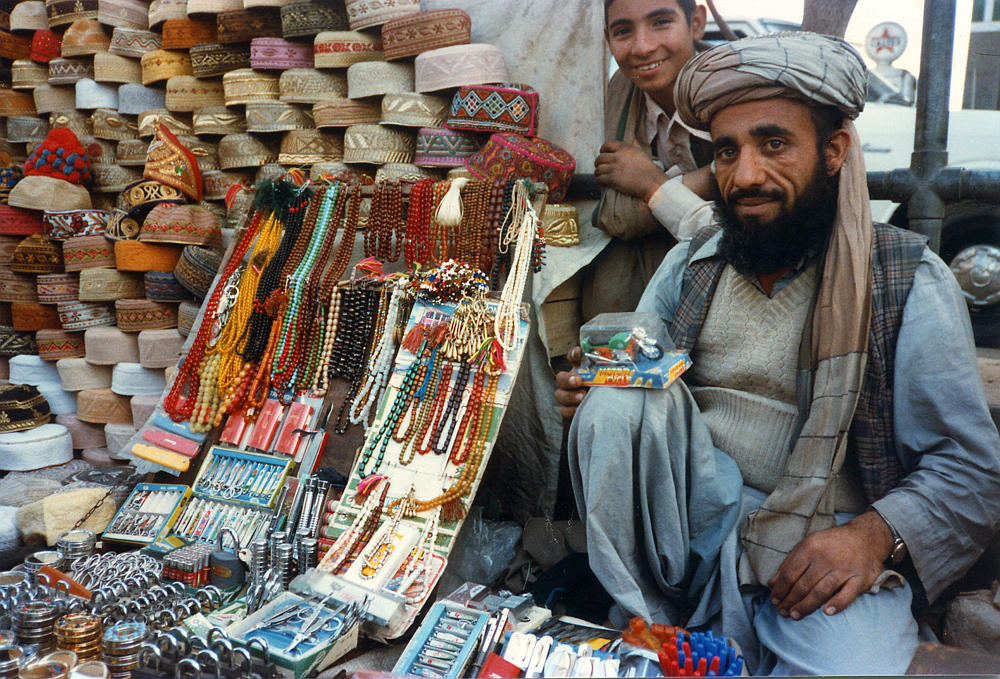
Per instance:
x=947, y=508
x=673, y=207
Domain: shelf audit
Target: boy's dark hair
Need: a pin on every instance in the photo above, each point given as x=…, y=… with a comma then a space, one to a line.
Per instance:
x=687, y=6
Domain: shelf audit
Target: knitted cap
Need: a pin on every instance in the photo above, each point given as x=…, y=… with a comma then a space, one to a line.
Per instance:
x=27, y=75
x=61, y=156
x=375, y=78
x=45, y=46
x=91, y=94
x=111, y=68
x=277, y=116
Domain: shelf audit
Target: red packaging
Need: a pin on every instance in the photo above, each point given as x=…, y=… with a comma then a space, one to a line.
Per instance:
x=266, y=426
x=289, y=439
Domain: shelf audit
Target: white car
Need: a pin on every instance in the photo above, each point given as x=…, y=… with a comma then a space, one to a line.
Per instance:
x=970, y=236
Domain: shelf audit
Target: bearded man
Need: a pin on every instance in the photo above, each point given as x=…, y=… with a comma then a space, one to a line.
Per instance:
x=832, y=435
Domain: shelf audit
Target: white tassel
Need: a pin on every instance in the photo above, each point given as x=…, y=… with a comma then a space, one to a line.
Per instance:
x=449, y=212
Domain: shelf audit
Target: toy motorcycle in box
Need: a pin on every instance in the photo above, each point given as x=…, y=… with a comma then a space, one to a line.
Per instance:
x=629, y=350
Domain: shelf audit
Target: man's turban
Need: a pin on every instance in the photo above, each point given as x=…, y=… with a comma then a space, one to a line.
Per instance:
x=819, y=69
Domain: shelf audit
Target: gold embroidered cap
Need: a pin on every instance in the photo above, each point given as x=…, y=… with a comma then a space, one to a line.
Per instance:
x=277, y=116
x=308, y=85
x=245, y=85
x=219, y=120
x=171, y=163
x=305, y=147
x=110, y=124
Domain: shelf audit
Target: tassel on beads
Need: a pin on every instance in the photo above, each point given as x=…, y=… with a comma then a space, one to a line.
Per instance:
x=449, y=212
x=414, y=338
x=365, y=487
x=453, y=510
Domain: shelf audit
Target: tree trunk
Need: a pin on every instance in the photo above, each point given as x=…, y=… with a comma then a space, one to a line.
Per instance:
x=828, y=16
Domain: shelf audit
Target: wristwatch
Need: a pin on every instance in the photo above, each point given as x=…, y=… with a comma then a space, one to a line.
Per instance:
x=898, y=552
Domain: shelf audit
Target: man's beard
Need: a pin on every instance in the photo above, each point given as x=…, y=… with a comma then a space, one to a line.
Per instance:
x=798, y=232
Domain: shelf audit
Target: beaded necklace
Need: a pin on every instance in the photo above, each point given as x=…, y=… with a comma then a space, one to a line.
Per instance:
x=284, y=364
x=187, y=380
x=432, y=338
x=321, y=381
x=417, y=245
x=521, y=227
x=351, y=539
x=450, y=501
x=450, y=414
x=420, y=408
x=259, y=325
x=358, y=315
x=381, y=359
x=419, y=562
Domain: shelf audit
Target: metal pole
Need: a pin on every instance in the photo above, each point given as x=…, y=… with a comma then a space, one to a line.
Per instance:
x=930, y=144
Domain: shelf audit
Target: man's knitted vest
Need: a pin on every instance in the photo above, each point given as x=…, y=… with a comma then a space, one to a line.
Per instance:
x=895, y=256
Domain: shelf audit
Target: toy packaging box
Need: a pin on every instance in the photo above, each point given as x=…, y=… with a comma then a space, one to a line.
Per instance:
x=629, y=350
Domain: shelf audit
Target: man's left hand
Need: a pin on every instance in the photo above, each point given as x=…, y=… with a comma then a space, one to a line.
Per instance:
x=628, y=169
x=831, y=567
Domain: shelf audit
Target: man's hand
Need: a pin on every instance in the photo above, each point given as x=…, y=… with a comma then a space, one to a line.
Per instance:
x=831, y=567
x=628, y=169
x=569, y=391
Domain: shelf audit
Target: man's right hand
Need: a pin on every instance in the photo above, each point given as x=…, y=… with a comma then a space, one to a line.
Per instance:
x=569, y=390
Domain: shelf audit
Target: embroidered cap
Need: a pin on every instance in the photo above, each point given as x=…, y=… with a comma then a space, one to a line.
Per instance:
x=217, y=120
x=410, y=109
x=245, y=85
x=370, y=13
x=212, y=60
x=376, y=78
x=22, y=407
x=305, y=147
x=164, y=64
x=49, y=98
x=124, y=13
x=110, y=124
x=242, y=150
x=440, y=147
x=308, y=86
x=170, y=162
x=149, y=122
x=68, y=71
x=26, y=129
x=410, y=35
x=449, y=67
x=495, y=108
x=344, y=112
x=61, y=12
x=181, y=224
x=111, y=68
x=29, y=16
x=183, y=34
x=340, y=49
x=186, y=93
x=244, y=25
x=279, y=54
x=308, y=18
x=511, y=156
x=277, y=116
x=378, y=144
x=133, y=42
x=27, y=75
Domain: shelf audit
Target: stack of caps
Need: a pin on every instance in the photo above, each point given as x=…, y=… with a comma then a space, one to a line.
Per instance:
x=28, y=437
x=70, y=271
